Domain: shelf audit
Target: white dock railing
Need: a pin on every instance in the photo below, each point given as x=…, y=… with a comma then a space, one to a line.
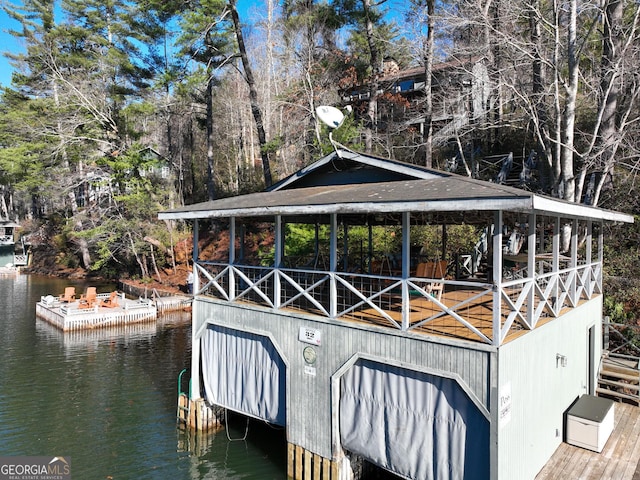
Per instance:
x=68, y=316
x=400, y=303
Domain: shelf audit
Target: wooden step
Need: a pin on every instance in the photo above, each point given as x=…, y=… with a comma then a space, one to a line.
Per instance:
x=620, y=376
x=615, y=394
x=613, y=383
x=619, y=368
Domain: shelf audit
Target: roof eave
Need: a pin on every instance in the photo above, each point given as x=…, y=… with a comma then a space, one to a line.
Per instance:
x=472, y=204
x=575, y=210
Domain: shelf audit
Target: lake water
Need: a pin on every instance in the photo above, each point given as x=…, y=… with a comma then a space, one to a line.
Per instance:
x=107, y=399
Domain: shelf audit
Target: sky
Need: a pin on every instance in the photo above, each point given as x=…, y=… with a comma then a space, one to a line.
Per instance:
x=7, y=43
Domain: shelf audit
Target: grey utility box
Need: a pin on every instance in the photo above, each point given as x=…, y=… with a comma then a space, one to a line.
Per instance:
x=590, y=422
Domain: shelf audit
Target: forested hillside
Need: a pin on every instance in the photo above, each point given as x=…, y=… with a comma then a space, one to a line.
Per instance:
x=117, y=110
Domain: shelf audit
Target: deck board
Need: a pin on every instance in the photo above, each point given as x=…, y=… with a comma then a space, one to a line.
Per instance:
x=619, y=458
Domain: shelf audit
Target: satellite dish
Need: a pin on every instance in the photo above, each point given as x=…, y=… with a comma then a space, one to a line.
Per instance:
x=330, y=116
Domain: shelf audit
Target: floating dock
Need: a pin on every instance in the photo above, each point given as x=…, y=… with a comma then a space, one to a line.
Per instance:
x=69, y=316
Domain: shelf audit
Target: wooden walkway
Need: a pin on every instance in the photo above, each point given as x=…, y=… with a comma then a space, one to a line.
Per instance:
x=619, y=458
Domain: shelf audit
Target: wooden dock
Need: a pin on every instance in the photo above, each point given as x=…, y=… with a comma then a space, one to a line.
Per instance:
x=69, y=316
x=618, y=461
x=172, y=303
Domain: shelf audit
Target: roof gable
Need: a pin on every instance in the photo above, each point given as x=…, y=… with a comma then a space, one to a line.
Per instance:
x=344, y=167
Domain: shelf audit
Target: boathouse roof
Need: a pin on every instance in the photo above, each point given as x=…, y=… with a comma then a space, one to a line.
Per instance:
x=346, y=182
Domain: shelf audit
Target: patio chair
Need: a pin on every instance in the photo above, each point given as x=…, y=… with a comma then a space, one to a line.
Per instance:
x=433, y=270
x=110, y=302
x=69, y=295
x=89, y=298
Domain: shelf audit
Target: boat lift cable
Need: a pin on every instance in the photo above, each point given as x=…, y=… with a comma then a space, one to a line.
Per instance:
x=226, y=428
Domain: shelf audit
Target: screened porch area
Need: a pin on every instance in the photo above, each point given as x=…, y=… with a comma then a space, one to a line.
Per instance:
x=482, y=276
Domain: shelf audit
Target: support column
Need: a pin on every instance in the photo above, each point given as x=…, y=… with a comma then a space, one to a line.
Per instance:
x=497, y=276
x=589, y=242
x=600, y=255
x=556, y=266
x=194, y=391
x=574, y=263
x=406, y=269
x=194, y=257
x=333, y=264
x=277, y=261
x=531, y=268
x=232, y=257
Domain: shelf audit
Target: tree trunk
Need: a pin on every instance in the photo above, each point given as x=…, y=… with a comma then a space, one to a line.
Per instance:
x=428, y=67
x=374, y=82
x=540, y=107
x=568, y=178
x=253, y=96
x=211, y=185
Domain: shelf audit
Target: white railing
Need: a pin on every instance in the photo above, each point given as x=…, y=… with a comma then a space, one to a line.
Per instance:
x=527, y=300
x=406, y=304
x=20, y=260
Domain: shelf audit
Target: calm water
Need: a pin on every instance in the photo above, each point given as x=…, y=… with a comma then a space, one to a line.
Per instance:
x=107, y=399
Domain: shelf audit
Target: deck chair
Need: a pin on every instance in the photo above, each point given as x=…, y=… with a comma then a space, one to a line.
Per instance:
x=433, y=270
x=69, y=295
x=110, y=302
x=89, y=298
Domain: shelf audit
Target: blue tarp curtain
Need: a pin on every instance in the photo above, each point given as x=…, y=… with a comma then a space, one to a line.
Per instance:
x=413, y=424
x=243, y=372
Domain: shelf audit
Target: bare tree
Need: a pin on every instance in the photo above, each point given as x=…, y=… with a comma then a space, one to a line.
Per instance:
x=256, y=109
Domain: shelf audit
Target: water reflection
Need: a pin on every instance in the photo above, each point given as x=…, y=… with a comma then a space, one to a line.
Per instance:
x=88, y=339
x=107, y=398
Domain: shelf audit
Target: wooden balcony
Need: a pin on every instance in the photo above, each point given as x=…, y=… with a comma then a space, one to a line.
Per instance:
x=470, y=310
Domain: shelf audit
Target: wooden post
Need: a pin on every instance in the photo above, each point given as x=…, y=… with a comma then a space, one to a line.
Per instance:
x=326, y=469
x=299, y=464
x=303, y=464
x=317, y=467
x=307, y=472
x=290, y=460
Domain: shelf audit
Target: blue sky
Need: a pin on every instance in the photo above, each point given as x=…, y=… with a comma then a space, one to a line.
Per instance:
x=7, y=43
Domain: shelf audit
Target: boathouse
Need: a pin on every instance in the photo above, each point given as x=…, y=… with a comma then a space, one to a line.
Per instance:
x=371, y=345
x=9, y=259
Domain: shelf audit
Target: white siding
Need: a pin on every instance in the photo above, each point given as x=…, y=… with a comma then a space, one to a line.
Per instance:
x=542, y=389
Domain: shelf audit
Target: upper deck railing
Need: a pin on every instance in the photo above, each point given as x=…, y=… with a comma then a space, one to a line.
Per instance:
x=471, y=310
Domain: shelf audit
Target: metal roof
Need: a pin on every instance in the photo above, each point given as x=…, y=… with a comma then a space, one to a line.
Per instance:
x=444, y=192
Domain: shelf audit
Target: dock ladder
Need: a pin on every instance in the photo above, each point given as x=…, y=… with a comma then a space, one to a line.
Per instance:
x=184, y=404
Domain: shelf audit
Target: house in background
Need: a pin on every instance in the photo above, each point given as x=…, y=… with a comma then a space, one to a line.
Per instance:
x=461, y=97
x=367, y=351
x=9, y=258
x=155, y=165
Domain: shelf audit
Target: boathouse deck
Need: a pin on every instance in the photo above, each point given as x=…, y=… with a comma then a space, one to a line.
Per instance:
x=470, y=310
x=618, y=461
